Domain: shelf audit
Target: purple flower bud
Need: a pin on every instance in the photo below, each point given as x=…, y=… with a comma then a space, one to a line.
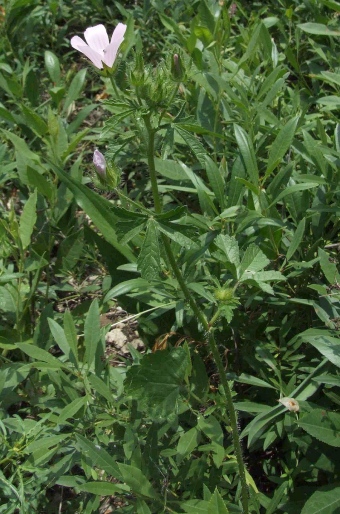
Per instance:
x=99, y=163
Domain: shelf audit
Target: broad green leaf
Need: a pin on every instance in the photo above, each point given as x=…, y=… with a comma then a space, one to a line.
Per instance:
x=281, y=145
x=71, y=409
x=52, y=66
x=211, y=428
x=103, y=488
x=98, y=209
x=187, y=442
x=253, y=260
x=98, y=456
x=156, y=381
x=247, y=154
x=296, y=239
x=329, y=268
x=323, y=425
x=229, y=247
x=135, y=479
x=176, y=233
x=28, y=219
x=216, y=504
x=318, y=29
x=324, y=342
x=325, y=501
x=149, y=259
x=92, y=333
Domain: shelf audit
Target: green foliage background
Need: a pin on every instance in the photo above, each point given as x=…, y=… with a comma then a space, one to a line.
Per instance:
x=247, y=155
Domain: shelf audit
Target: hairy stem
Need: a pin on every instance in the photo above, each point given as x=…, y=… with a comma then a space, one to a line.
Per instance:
x=209, y=335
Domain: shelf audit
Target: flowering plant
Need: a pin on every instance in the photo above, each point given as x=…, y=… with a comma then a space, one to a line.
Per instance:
x=97, y=47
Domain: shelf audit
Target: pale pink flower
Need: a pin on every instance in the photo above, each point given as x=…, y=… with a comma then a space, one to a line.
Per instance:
x=99, y=163
x=97, y=47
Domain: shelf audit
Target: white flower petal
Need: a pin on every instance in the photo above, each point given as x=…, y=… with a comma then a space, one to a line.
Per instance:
x=111, y=50
x=97, y=38
x=77, y=42
x=94, y=57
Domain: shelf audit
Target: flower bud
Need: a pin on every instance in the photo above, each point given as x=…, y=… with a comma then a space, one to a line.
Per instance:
x=224, y=295
x=177, y=70
x=99, y=163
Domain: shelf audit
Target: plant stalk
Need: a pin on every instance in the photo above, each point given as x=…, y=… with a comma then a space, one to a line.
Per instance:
x=209, y=335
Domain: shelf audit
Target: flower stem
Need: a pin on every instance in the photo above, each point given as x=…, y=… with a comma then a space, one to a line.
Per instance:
x=209, y=335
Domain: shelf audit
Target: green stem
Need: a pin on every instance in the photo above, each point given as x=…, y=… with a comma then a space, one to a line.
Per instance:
x=200, y=317
x=114, y=85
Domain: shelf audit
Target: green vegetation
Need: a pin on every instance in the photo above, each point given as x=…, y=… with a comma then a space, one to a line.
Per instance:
x=212, y=220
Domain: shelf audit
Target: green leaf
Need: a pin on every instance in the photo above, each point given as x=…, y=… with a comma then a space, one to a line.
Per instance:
x=28, y=219
x=296, y=239
x=193, y=143
x=216, y=504
x=253, y=260
x=156, y=381
x=71, y=409
x=61, y=340
x=325, y=501
x=292, y=189
x=325, y=343
x=229, y=247
x=34, y=121
x=126, y=287
x=329, y=268
x=92, y=333
x=103, y=488
x=100, y=387
x=149, y=259
x=247, y=154
x=187, y=442
x=281, y=145
x=39, y=354
x=98, y=209
x=323, y=425
x=215, y=180
x=135, y=479
x=98, y=457
x=71, y=336
x=52, y=66
x=318, y=29
x=74, y=89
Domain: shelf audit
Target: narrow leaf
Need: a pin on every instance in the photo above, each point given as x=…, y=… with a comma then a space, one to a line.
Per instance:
x=247, y=154
x=92, y=333
x=296, y=239
x=149, y=259
x=28, y=219
x=281, y=145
